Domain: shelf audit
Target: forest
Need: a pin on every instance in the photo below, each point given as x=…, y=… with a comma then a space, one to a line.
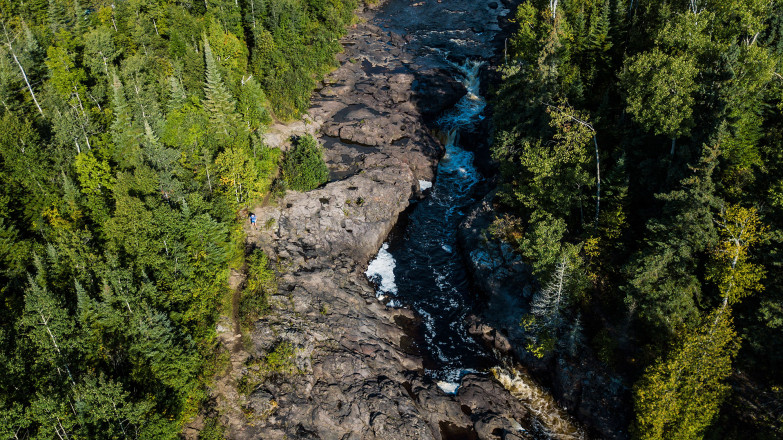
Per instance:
x=642, y=176
x=130, y=144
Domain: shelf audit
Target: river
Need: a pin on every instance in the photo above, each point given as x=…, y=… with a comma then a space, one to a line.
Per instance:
x=419, y=267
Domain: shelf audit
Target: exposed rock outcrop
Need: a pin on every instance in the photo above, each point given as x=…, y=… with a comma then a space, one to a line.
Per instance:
x=330, y=361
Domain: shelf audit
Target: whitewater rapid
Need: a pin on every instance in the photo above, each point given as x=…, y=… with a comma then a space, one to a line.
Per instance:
x=419, y=269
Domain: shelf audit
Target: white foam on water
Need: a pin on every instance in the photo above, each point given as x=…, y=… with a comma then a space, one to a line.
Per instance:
x=554, y=420
x=459, y=169
x=448, y=387
x=428, y=322
x=440, y=281
x=424, y=185
x=381, y=272
x=468, y=109
x=452, y=379
x=394, y=304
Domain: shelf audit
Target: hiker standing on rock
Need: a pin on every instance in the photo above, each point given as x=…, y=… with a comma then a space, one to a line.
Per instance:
x=253, y=220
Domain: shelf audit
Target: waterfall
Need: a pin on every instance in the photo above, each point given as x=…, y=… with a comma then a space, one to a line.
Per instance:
x=420, y=270
x=549, y=417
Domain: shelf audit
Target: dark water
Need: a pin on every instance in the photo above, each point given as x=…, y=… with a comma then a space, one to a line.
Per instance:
x=428, y=275
x=419, y=268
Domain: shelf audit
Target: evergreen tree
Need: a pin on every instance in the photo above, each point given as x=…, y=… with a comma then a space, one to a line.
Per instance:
x=104, y=410
x=125, y=134
x=663, y=276
x=219, y=103
x=177, y=95
x=109, y=192
x=49, y=330
x=303, y=167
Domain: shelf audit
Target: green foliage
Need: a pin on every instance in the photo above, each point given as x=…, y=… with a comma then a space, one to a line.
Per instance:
x=542, y=243
x=218, y=103
x=554, y=172
x=679, y=397
x=254, y=105
x=595, y=88
x=118, y=208
x=243, y=178
x=294, y=44
x=661, y=92
x=303, y=167
x=663, y=284
x=735, y=275
x=213, y=430
x=260, y=285
x=281, y=359
x=548, y=323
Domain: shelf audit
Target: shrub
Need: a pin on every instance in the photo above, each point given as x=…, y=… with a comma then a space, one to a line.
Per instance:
x=281, y=359
x=260, y=284
x=213, y=430
x=303, y=167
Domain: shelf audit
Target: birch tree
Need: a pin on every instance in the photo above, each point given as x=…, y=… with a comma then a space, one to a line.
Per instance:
x=679, y=397
x=9, y=44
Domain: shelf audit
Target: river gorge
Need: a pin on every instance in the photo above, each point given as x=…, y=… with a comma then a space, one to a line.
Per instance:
x=376, y=294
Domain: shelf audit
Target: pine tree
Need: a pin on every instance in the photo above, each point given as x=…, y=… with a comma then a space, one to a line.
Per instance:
x=164, y=161
x=177, y=95
x=159, y=349
x=547, y=323
x=548, y=302
x=58, y=16
x=662, y=276
x=105, y=410
x=304, y=168
x=48, y=327
x=598, y=37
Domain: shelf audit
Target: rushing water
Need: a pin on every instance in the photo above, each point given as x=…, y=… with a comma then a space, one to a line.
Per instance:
x=419, y=268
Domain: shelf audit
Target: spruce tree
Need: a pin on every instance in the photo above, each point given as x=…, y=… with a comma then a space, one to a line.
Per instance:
x=125, y=134
x=177, y=95
x=219, y=103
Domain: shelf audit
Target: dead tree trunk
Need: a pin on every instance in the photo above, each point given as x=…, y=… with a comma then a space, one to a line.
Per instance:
x=21, y=69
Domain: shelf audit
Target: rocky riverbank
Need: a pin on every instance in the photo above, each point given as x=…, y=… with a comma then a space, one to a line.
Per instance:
x=596, y=397
x=351, y=367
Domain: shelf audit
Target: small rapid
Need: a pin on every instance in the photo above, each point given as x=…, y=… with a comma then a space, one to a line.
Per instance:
x=420, y=268
x=426, y=272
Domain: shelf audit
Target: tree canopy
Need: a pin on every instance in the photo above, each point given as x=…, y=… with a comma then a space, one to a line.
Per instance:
x=130, y=145
x=665, y=119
